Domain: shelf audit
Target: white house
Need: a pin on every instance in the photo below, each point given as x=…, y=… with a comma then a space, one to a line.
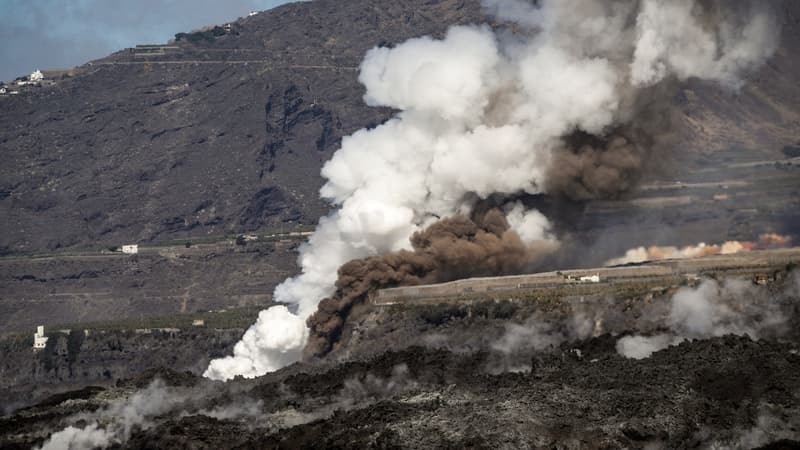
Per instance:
x=130, y=249
x=36, y=76
x=591, y=279
x=39, y=339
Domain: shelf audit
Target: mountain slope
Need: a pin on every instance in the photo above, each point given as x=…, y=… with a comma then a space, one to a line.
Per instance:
x=225, y=131
x=223, y=134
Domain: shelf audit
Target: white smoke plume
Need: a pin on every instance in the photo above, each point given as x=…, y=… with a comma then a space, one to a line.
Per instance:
x=482, y=113
x=115, y=423
x=71, y=438
x=357, y=392
x=712, y=309
x=245, y=410
x=535, y=335
x=772, y=425
x=641, y=347
x=531, y=225
x=371, y=388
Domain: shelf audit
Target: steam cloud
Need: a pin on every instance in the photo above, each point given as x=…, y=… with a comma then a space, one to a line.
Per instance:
x=451, y=248
x=121, y=418
x=537, y=334
x=568, y=103
x=712, y=309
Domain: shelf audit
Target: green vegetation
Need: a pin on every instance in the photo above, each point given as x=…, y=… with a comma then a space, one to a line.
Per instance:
x=199, y=36
x=262, y=236
x=494, y=310
x=438, y=314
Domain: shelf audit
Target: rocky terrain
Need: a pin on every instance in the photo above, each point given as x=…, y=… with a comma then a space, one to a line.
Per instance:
x=224, y=132
x=493, y=375
x=227, y=133
x=224, y=135
x=75, y=359
x=207, y=153
x=70, y=288
x=218, y=136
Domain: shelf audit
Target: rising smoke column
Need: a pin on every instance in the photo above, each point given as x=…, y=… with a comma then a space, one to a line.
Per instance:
x=553, y=107
x=452, y=248
x=734, y=306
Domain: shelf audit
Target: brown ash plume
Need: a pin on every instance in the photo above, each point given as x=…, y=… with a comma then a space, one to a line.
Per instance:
x=452, y=248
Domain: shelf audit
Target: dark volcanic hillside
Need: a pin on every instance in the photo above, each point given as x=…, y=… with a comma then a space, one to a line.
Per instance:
x=226, y=131
x=207, y=153
x=486, y=375
x=224, y=134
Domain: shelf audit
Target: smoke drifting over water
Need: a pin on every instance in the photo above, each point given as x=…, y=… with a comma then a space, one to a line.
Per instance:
x=568, y=103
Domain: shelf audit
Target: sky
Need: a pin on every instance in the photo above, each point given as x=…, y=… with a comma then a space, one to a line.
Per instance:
x=50, y=34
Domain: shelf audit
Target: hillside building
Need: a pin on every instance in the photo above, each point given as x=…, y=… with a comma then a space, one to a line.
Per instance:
x=130, y=249
x=35, y=78
x=39, y=339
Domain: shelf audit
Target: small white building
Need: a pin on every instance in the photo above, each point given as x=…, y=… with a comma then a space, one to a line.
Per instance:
x=591, y=279
x=36, y=76
x=39, y=339
x=198, y=323
x=3, y=90
x=130, y=249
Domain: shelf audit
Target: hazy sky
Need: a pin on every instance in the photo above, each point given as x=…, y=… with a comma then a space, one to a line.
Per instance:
x=47, y=34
